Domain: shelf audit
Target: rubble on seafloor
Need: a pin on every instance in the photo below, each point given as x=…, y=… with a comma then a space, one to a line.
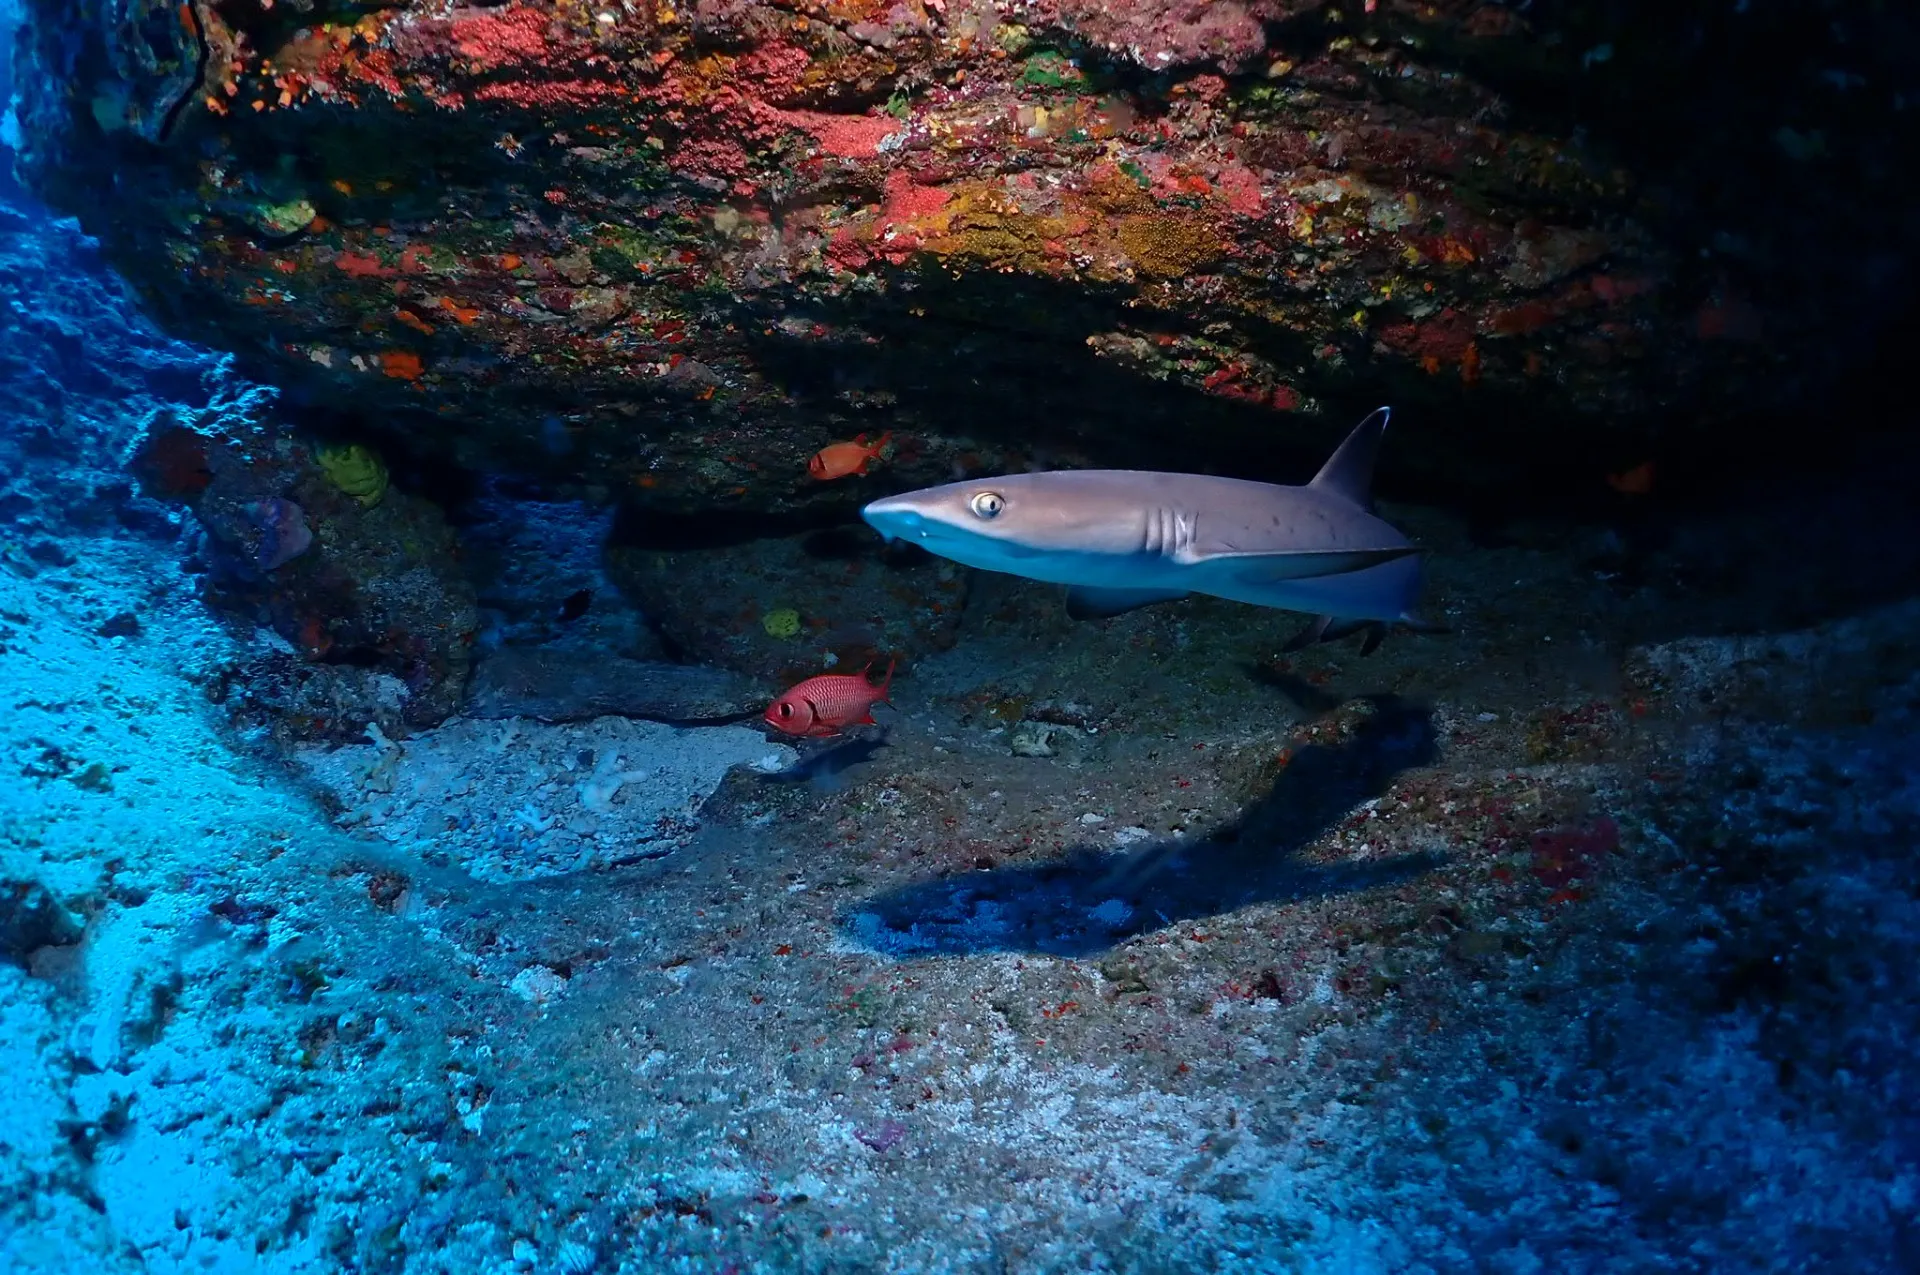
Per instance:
x=1362, y=978
x=513, y=799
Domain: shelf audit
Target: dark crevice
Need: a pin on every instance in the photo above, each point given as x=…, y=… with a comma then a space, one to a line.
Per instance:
x=160, y=44
x=638, y=529
x=354, y=656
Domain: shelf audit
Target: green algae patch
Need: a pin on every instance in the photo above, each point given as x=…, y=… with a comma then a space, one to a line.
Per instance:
x=624, y=252
x=358, y=471
x=289, y=218
x=1050, y=70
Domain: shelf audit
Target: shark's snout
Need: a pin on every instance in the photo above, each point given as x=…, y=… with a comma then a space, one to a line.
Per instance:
x=894, y=518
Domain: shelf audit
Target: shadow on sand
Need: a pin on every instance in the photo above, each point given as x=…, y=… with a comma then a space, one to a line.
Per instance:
x=823, y=767
x=1089, y=900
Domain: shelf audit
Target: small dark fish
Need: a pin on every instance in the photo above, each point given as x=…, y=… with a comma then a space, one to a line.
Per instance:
x=575, y=605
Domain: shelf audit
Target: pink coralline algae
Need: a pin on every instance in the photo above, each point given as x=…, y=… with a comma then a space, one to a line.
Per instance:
x=1562, y=856
x=1224, y=33
x=906, y=199
x=884, y=1137
x=846, y=136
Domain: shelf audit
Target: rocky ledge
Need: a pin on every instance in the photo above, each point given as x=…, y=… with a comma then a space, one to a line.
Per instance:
x=661, y=252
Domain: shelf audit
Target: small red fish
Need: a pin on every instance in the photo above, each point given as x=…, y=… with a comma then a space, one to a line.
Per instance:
x=837, y=460
x=1637, y=481
x=820, y=706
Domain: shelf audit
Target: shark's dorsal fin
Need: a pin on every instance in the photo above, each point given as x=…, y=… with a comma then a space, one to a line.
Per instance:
x=1348, y=473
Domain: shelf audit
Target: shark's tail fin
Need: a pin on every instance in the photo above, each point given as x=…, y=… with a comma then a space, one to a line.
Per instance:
x=1327, y=628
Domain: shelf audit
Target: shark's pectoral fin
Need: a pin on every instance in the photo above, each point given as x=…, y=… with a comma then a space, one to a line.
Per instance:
x=1270, y=568
x=1327, y=628
x=1085, y=603
x=1314, y=632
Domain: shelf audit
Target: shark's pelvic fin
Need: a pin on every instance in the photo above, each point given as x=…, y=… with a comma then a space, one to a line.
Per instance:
x=1327, y=628
x=1348, y=473
x=1085, y=603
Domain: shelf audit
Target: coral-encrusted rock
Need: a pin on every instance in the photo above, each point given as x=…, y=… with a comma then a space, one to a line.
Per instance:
x=77, y=370
x=787, y=609
x=31, y=918
x=376, y=618
x=679, y=247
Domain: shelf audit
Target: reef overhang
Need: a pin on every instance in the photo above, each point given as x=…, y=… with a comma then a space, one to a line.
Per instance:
x=669, y=250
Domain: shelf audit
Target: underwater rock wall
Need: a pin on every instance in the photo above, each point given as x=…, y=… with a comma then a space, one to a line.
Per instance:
x=362, y=585
x=661, y=253
x=158, y=869
x=77, y=369
x=108, y=427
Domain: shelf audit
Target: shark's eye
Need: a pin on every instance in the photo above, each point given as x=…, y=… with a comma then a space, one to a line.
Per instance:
x=987, y=504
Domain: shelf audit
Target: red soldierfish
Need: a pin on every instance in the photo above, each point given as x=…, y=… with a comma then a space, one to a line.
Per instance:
x=821, y=706
x=837, y=460
x=1637, y=481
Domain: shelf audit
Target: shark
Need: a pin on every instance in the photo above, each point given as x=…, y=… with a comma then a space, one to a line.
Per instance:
x=1121, y=539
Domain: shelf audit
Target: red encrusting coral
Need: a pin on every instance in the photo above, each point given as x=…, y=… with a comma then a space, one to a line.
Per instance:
x=1565, y=855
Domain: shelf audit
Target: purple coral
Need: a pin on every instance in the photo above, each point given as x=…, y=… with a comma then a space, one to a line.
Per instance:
x=284, y=534
x=888, y=1136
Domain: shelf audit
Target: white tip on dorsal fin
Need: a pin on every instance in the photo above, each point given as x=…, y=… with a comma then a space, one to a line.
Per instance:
x=1348, y=473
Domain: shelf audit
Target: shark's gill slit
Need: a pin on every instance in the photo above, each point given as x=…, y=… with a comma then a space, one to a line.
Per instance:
x=1162, y=533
